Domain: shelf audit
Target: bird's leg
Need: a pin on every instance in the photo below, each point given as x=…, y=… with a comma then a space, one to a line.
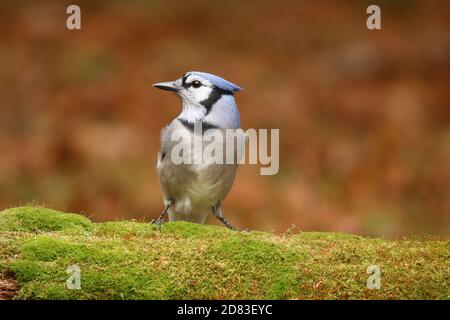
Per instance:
x=160, y=220
x=218, y=214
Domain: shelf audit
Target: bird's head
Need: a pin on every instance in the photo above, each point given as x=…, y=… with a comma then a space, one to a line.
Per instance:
x=200, y=92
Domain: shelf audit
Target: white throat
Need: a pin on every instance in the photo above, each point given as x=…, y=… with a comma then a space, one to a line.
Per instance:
x=191, y=112
x=223, y=113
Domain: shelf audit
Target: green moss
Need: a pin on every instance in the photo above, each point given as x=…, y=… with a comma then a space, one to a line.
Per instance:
x=190, y=230
x=130, y=260
x=131, y=284
x=45, y=248
x=124, y=229
x=26, y=270
x=271, y=266
x=35, y=219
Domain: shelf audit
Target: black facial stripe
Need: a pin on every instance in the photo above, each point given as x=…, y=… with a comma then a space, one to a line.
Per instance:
x=187, y=85
x=214, y=96
x=183, y=82
x=191, y=125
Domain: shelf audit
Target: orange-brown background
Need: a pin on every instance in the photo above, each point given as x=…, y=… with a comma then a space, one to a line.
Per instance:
x=364, y=116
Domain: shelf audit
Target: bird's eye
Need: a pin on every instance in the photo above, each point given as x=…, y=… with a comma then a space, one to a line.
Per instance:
x=196, y=84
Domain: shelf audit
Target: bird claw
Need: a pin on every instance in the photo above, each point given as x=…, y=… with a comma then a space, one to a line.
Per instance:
x=240, y=230
x=158, y=223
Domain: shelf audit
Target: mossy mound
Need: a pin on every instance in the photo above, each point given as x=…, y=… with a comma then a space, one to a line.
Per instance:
x=131, y=260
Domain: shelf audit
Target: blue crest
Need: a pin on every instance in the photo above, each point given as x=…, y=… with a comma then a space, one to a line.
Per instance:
x=217, y=81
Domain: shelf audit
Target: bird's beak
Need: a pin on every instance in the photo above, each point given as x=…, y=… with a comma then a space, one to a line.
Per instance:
x=168, y=86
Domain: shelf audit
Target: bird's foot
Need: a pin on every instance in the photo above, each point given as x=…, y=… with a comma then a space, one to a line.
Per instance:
x=230, y=226
x=158, y=222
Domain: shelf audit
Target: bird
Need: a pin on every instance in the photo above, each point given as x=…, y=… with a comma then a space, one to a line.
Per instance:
x=193, y=190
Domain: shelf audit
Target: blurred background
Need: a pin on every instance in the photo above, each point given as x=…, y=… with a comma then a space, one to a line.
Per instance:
x=364, y=116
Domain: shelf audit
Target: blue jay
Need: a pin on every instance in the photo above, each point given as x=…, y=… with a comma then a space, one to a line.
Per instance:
x=191, y=191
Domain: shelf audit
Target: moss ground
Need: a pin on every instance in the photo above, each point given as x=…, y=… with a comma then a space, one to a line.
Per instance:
x=132, y=260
